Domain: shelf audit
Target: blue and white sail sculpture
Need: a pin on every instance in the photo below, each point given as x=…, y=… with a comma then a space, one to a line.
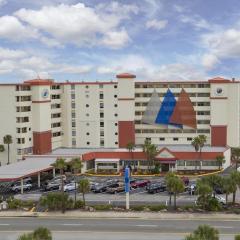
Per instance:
x=152, y=109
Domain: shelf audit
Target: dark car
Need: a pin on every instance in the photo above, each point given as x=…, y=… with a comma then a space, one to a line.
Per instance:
x=156, y=187
x=219, y=190
x=140, y=183
x=99, y=188
x=116, y=189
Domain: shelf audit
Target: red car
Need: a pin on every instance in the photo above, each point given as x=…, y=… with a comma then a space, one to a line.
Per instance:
x=140, y=183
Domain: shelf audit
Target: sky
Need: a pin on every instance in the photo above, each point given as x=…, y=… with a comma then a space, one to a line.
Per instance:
x=89, y=40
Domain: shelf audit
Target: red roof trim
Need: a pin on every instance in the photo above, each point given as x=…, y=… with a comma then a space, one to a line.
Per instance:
x=39, y=82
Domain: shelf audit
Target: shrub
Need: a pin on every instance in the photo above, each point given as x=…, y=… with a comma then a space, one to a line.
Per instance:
x=213, y=205
x=237, y=237
x=102, y=207
x=156, y=208
x=14, y=203
x=78, y=204
x=56, y=201
x=138, y=208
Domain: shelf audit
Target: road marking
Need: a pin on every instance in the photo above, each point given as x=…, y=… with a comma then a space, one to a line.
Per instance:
x=141, y=225
x=72, y=224
x=222, y=227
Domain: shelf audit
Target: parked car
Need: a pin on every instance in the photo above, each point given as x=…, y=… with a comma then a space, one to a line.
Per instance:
x=69, y=187
x=54, y=185
x=25, y=180
x=59, y=178
x=116, y=189
x=185, y=180
x=17, y=187
x=140, y=183
x=99, y=188
x=156, y=187
x=221, y=199
x=218, y=190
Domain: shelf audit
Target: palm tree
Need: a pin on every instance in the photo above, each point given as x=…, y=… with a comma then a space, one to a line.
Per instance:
x=25, y=236
x=228, y=187
x=205, y=232
x=237, y=237
x=61, y=165
x=198, y=143
x=151, y=151
x=7, y=139
x=76, y=166
x=236, y=156
x=2, y=149
x=130, y=147
x=213, y=181
x=220, y=161
x=42, y=233
x=84, y=187
x=235, y=178
x=204, y=191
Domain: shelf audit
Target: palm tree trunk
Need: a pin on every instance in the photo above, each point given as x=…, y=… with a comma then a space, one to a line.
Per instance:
x=8, y=156
x=226, y=198
x=234, y=197
x=175, y=201
x=61, y=172
x=83, y=196
x=75, y=193
x=170, y=199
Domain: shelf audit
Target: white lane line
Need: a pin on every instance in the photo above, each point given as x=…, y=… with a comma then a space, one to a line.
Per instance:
x=4, y=224
x=146, y=225
x=222, y=227
x=72, y=224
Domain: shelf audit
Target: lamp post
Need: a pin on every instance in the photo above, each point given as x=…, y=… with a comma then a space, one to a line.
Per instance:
x=127, y=186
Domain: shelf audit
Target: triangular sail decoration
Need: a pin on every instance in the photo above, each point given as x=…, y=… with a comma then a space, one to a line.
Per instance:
x=184, y=112
x=167, y=109
x=152, y=109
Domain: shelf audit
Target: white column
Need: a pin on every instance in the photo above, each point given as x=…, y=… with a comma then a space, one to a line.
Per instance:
x=95, y=167
x=118, y=166
x=39, y=179
x=54, y=172
x=127, y=201
x=21, y=185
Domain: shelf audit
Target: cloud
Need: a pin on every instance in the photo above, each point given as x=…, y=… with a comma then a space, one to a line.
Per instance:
x=2, y=2
x=12, y=28
x=145, y=69
x=196, y=21
x=6, y=53
x=209, y=61
x=79, y=24
x=156, y=24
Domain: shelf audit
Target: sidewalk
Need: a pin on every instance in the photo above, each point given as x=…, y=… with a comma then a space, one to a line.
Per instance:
x=111, y=214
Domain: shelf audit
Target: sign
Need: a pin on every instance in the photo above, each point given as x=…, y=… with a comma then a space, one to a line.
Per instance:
x=127, y=179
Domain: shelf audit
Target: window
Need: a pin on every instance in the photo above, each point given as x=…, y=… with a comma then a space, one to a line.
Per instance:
x=55, y=105
x=72, y=86
x=22, y=119
x=161, y=139
x=73, y=105
x=56, y=134
x=148, y=139
x=73, y=114
x=74, y=142
x=73, y=133
x=175, y=139
x=115, y=105
x=20, y=140
x=55, y=96
x=203, y=94
x=86, y=86
x=87, y=133
x=72, y=96
x=101, y=105
x=115, y=86
x=203, y=130
x=56, y=115
x=100, y=85
x=101, y=143
x=101, y=115
x=24, y=109
x=87, y=105
x=189, y=139
x=116, y=133
x=101, y=124
x=87, y=124
x=87, y=114
x=30, y=139
x=116, y=124
x=87, y=96
x=102, y=133
x=54, y=125
x=115, y=96
x=115, y=114
x=73, y=124
x=116, y=143
x=101, y=96
x=88, y=143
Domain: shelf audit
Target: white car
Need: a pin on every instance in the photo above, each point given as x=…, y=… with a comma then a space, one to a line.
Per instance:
x=70, y=187
x=220, y=199
x=17, y=187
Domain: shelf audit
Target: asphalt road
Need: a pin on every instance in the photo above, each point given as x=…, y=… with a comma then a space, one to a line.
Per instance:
x=104, y=229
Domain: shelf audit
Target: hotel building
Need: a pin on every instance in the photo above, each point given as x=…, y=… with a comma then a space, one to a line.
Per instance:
x=102, y=117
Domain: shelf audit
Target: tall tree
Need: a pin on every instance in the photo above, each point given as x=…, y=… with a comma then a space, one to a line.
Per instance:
x=196, y=144
x=61, y=165
x=76, y=166
x=228, y=187
x=151, y=151
x=220, y=161
x=7, y=139
x=130, y=147
x=235, y=178
x=84, y=187
x=204, y=191
x=236, y=156
x=213, y=181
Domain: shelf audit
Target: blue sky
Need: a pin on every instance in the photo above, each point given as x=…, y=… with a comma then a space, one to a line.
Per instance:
x=93, y=40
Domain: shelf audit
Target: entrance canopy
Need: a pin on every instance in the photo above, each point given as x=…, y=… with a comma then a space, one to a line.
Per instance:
x=107, y=160
x=30, y=166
